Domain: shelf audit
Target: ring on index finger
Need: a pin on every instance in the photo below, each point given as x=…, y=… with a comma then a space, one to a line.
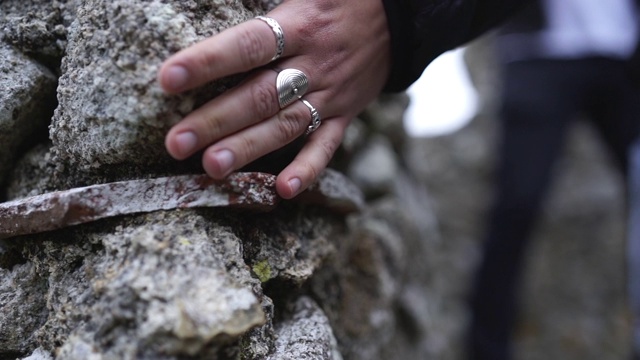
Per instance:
x=278, y=32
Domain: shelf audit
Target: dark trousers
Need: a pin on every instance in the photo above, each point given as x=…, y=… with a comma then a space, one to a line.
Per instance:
x=541, y=98
x=633, y=246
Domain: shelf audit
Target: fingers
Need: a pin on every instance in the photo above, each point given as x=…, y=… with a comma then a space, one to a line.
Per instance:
x=239, y=49
x=230, y=112
x=342, y=47
x=235, y=151
x=247, y=104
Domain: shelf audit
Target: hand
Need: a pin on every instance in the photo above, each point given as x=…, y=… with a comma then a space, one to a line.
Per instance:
x=343, y=48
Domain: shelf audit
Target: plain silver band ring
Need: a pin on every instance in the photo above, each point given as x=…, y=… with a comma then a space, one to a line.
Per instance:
x=278, y=32
x=316, y=120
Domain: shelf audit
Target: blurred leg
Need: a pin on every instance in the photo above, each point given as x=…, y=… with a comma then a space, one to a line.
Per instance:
x=614, y=104
x=539, y=99
x=634, y=245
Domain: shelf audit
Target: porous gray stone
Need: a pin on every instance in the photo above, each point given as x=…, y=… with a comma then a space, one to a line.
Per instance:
x=22, y=307
x=33, y=174
x=211, y=283
x=27, y=100
x=305, y=334
x=163, y=285
x=111, y=109
x=37, y=27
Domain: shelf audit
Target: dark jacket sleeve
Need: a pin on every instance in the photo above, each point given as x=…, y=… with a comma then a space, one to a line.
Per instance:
x=423, y=29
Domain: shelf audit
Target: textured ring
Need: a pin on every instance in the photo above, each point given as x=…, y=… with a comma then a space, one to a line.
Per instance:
x=278, y=32
x=315, y=118
x=291, y=84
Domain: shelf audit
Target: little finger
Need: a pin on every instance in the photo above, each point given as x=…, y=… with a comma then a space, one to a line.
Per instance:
x=313, y=158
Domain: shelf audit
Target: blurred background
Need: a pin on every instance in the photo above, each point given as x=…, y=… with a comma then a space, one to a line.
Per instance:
x=573, y=297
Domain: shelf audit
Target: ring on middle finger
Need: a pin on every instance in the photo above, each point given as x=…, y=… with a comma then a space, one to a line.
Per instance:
x=291, y=85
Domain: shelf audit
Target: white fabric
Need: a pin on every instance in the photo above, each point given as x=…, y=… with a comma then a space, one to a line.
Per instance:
x=579, y=28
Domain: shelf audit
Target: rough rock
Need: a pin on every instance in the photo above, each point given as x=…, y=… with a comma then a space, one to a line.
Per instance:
x=39, y=354
x=22, y=308
x=26, y=105
x=305, y=334
x=38, y=28
x=33, y=174
x=205, y=283
x=111, y=109
x=174, y=283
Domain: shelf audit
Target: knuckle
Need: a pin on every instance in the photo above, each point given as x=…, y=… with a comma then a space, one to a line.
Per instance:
x=328, y=147
x=264, y=99
x=213, y=126
x=249, y=149
x=289, y=124
x=251, y=48
x=314, y=168
x=312, y=171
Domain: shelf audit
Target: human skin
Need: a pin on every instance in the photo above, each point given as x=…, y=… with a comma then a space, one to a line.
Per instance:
x=342, y=46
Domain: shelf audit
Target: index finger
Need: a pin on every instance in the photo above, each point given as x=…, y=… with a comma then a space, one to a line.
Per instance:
x=234, y=50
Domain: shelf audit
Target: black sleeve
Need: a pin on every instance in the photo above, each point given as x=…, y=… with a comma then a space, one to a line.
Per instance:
x=421, y=30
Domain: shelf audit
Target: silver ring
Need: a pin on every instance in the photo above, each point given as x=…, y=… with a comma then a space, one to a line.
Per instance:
x=291, y=85
x=316, y=120
x=278, y=32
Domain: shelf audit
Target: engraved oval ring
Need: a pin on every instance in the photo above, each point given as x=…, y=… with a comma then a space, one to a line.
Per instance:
x=291, y=85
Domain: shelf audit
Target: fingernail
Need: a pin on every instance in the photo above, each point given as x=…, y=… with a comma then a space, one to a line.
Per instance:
x=225, y=160
x=294, y=185
x=186, y=142
x=175, y=77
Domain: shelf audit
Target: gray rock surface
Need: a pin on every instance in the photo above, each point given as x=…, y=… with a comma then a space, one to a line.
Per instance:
x=34, y=173
x=157, y=286
x=111, y=110
x=305, y=334
x=193, y=283
x=38, y=28
x=23, y=306
x=26, y=104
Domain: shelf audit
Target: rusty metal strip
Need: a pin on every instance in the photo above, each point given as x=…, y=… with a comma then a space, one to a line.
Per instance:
x=76, y=206
x=248, y=190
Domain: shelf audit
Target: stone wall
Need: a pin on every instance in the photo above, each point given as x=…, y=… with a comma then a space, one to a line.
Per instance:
x=218, y=270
